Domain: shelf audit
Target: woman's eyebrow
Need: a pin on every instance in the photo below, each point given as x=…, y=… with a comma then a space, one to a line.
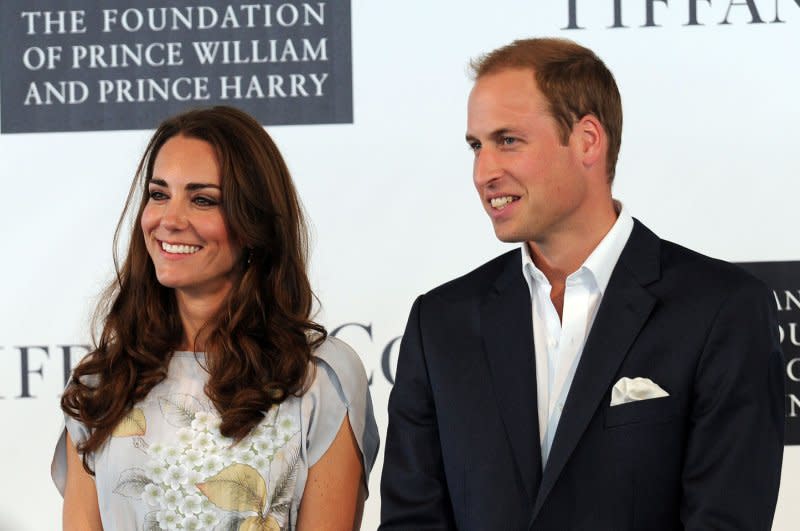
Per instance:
x=198, y=186
x=189, y=186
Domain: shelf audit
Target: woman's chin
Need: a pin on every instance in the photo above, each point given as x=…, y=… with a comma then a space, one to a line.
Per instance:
x=171, y=281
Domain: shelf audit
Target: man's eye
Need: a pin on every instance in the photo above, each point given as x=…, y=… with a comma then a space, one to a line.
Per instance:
x=157, y=195
x=508, y=140
x=474, y=146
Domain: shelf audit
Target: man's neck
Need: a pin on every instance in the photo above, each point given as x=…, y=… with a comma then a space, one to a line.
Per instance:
x=563, y=253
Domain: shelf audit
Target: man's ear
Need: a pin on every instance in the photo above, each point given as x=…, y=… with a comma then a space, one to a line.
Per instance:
x=591, y=140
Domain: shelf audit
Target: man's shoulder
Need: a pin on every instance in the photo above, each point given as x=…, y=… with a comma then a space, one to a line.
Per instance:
x=702, y=275
x=695, y=266
x=480, y=279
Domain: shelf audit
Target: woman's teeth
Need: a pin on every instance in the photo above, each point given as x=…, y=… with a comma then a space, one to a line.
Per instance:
x=179, y=249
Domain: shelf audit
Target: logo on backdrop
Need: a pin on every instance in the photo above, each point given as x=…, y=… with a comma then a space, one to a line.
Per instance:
x=34, y=371
x=118, y=65
x=658, y=13
x=38, y=366
x=784, y=279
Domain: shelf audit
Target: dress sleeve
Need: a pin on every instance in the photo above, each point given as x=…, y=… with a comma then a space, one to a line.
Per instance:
x=340, y=386
x=58, y=467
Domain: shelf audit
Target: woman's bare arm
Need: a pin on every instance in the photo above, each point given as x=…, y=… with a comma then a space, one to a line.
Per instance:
x=333, y=499
x=81, y=511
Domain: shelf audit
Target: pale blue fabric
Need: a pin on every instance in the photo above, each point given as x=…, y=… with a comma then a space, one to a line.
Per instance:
x=168, y=465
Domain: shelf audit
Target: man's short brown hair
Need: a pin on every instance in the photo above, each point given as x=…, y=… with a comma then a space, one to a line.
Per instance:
x=572, y=78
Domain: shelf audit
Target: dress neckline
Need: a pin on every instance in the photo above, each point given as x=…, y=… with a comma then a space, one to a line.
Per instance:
x=188, y=354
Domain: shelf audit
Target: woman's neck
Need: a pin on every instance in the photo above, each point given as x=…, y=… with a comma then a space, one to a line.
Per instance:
x=196, y=314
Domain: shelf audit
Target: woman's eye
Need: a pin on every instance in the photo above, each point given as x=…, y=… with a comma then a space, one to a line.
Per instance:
x=205, y=201
x=157, y=195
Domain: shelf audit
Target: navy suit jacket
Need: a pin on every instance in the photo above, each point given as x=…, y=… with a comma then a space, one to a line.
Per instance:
x=462, y=449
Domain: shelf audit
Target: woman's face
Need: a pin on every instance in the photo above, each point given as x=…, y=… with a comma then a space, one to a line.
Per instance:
x=183, y=224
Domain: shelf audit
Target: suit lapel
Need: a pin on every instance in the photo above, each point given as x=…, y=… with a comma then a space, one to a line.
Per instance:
x=625, y=308
x=507, y=330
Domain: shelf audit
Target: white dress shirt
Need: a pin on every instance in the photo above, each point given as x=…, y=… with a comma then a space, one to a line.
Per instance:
x=558, y=343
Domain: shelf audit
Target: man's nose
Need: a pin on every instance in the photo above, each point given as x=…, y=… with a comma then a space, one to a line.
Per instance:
x=486, y=167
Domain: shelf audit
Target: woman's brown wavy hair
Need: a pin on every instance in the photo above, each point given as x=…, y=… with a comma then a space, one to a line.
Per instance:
x=259, y=345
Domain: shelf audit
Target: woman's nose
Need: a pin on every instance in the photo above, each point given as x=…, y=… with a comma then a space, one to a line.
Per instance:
x=174, y=216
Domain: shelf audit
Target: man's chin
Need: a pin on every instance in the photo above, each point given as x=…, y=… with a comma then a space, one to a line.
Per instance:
x=506, y=236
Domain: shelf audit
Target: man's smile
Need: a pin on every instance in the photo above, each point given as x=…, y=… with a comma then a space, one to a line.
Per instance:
x=501, y=202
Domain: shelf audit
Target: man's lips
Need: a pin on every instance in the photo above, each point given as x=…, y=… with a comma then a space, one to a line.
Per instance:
x=502, y=201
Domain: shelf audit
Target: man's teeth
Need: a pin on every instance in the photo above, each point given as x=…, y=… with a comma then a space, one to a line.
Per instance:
x=500, y=202
x=179, y=249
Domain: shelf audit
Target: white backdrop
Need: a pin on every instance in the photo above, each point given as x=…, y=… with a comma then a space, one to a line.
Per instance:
x=709, y=159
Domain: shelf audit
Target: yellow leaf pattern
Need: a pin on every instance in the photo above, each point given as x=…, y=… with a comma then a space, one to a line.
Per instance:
x=238, y=487
x=216, y=484
x=132, y=424
x=255, y=523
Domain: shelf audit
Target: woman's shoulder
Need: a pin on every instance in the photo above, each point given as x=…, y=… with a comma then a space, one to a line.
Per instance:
x=336, y=356
x=340, y=387
x=338, y=370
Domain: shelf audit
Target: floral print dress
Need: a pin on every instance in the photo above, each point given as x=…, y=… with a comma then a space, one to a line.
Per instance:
x=167, y=466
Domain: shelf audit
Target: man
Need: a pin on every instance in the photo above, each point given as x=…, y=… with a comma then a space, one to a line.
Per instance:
x=599, y=378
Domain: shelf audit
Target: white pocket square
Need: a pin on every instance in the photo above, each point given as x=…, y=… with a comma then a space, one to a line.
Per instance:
x=635, y=389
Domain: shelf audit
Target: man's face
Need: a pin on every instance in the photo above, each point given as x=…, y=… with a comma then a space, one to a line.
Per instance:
x=531, y=185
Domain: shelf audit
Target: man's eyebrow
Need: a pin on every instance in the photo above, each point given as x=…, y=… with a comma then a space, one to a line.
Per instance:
x=498, y=133
x=189, y=186
x=494, y=135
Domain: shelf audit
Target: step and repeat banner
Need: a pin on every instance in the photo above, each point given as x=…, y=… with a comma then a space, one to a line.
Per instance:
x=367, y=102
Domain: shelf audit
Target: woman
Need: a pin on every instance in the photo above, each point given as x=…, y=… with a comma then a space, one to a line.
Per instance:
x=212, y=400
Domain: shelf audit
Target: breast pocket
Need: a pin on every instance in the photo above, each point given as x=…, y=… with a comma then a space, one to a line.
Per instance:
x=650, y=411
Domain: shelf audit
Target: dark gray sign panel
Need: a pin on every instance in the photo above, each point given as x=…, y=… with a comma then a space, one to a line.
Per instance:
x=90, y=65
x=784, y=279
